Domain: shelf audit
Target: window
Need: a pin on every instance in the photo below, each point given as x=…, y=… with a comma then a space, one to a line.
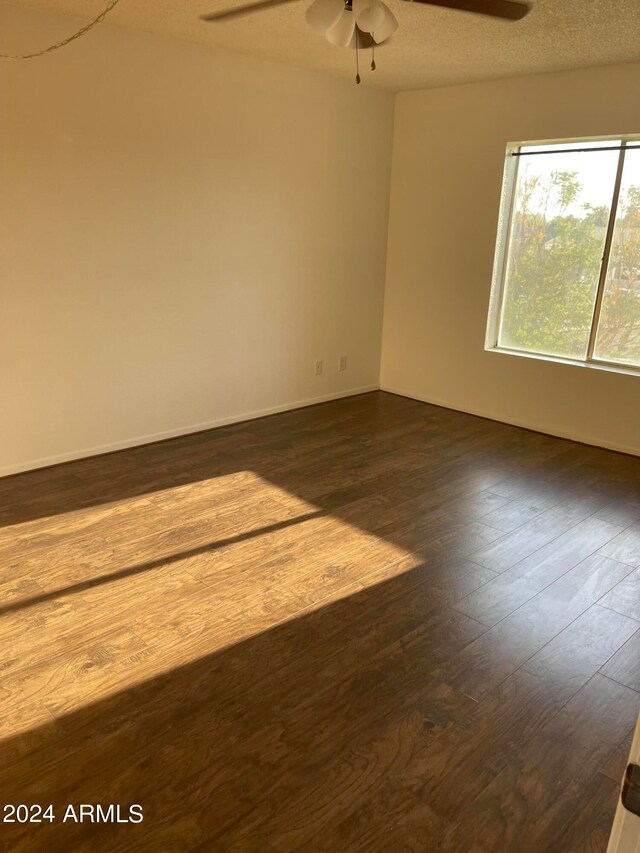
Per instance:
x=567, y=270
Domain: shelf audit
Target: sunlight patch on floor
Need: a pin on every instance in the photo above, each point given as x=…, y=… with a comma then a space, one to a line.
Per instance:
x=114, y=595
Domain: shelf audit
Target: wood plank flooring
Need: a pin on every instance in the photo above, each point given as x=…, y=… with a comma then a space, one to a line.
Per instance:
x=370, y=625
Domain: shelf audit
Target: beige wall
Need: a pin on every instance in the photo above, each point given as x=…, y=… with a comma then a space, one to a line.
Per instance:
x=448, y=158
x=183, y=232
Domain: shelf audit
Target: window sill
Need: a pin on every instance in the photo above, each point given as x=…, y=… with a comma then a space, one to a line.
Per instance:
x=607, y=366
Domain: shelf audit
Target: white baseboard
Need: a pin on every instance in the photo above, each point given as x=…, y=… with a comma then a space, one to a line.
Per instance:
x=573, y=436
x=86, y=452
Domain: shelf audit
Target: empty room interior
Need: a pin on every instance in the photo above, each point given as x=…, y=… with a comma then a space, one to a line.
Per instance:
x=320, y=426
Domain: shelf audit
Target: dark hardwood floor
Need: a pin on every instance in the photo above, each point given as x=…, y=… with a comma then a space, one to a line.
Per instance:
x=371, y=625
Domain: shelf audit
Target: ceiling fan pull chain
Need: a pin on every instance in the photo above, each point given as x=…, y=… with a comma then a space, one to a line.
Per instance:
x=373, y=57
x=357, y=66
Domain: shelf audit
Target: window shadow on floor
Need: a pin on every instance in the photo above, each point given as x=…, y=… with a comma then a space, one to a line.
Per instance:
x=265, y=741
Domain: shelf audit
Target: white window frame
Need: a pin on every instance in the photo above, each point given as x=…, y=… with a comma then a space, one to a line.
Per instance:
x=500, y=262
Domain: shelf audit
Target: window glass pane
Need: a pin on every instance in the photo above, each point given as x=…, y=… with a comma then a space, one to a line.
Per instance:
x=618, y=337
x=559, y=225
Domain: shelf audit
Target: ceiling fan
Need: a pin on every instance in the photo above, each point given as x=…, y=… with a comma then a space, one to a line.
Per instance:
x=366, y=23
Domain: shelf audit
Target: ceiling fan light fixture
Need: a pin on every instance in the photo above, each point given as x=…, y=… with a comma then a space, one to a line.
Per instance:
x=323, y=15
x=341, y=33
x=338, y=20
x=388, y=26
x=369, y=18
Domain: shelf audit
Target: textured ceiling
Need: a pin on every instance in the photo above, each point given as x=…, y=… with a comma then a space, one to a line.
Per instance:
x=432, y=47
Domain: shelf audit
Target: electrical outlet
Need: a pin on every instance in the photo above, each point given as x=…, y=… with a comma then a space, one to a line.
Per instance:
x=318, y=367
x=343, y=363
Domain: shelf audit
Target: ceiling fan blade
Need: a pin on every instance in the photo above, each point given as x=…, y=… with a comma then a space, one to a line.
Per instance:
x=507, y=9
x=245, y=9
